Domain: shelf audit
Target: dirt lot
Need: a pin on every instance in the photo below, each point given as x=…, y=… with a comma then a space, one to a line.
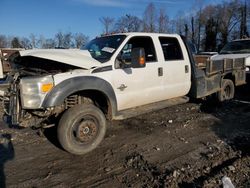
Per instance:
x=190, y=145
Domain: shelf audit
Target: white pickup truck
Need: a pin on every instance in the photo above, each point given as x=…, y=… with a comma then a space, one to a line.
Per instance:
x=113, y=77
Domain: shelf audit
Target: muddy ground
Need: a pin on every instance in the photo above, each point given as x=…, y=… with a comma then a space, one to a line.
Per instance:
x=190, y=145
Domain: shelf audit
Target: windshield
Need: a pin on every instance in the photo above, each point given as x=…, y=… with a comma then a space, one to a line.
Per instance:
x=103, y=48
x=236, y=47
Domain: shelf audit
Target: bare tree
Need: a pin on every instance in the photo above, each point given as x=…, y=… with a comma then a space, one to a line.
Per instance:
x=228, y=19
x=41, y=41
x=67, y=40
x=192, y=30
x=128, y=23
x=199, y=31
x=59, y=39
x=197, y=25
x=33, y=40
x=15, y=43
x=186, y=30
x=79, y=39
x=209, y=20
x=3, y=41
x=211, y=33
x=243, y=24
x=172, y=24
x=48, y=44
x=107, y=23
x=149, y=18
x=163, y=22
x=180, y=23
x=209, y=27
x=25, y=43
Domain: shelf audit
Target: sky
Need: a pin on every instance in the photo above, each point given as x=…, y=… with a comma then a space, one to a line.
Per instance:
x=47, y=17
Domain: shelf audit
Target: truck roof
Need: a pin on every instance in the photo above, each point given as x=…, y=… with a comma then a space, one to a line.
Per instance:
x=144, y=34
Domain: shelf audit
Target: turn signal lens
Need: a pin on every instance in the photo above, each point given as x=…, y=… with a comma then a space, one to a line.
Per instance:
x=46, y=87
x=142, y=61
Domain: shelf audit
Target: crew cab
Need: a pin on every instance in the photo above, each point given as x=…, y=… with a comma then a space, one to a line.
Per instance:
x=111, y=78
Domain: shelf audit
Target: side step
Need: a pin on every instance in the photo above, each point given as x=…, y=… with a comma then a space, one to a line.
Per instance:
x=132, y=112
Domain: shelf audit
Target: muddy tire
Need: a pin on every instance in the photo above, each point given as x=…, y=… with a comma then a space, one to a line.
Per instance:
x=81, y=129
x=227, y=90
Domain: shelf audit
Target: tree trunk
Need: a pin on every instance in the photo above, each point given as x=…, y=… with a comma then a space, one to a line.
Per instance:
x=192, y=27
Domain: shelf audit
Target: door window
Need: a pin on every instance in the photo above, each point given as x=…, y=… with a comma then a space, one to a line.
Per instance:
x=139, y=42
x=171, y=48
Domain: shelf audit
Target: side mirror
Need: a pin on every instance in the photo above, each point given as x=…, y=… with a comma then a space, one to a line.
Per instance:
x=138, y=58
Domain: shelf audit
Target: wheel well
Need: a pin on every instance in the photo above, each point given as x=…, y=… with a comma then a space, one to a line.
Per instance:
x=230, y=77
x=98, y=98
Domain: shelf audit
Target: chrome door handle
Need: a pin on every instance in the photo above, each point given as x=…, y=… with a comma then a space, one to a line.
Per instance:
x=160, y=71
x=186, y=69
x=122, y=87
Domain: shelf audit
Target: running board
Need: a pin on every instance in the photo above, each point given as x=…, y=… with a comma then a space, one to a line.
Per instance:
x=132, y=112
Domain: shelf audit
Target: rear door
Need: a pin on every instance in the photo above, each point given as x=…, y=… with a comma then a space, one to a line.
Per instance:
x=176, y=68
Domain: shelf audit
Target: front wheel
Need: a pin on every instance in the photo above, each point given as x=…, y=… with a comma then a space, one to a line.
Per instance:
x=227, y=90
x=81, y=129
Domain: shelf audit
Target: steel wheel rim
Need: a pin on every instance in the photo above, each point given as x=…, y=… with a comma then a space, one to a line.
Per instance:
x=85, y=130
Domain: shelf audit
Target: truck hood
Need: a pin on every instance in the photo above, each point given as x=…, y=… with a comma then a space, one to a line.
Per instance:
x=78, y=58
x=229, y=56
x=232, y=56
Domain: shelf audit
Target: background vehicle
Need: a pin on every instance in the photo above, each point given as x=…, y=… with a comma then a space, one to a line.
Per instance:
x=111, y=78
x=236, y=49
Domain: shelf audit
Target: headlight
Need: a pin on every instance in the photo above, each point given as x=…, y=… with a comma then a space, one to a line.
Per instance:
x=34, y=89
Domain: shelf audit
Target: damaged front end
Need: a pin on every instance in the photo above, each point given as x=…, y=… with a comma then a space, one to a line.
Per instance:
x=26, y=95
x=26, y=87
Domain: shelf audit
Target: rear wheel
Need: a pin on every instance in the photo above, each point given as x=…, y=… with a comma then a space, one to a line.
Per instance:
x=227, y=90
x=81, y=129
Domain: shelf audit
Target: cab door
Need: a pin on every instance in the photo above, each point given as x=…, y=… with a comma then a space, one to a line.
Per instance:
x=137, y=86
x=176, y=69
